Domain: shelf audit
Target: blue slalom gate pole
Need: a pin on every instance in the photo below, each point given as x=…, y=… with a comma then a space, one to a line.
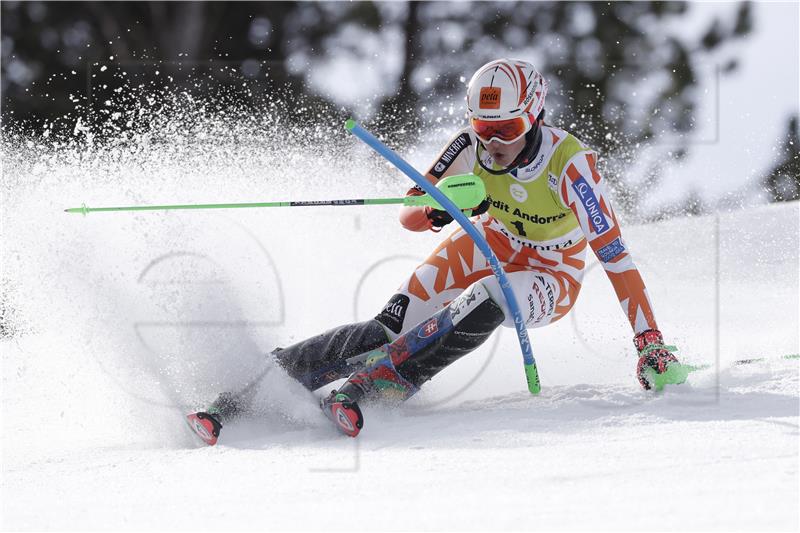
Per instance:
x=531, y=373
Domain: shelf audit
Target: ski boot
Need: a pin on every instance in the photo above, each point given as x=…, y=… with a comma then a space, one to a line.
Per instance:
x=378, y=380
x=208, y=424
x=205, y=426
x=344, y=412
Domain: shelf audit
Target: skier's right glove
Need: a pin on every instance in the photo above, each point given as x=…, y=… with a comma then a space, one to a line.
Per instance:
x=440, y=218
x=653, y=355
x=422, y=218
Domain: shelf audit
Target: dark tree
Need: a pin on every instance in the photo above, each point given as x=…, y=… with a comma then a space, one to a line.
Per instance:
x=54, y=49
x=783, y=182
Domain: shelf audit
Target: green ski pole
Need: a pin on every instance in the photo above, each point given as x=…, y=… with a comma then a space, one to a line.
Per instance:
x=464, y=190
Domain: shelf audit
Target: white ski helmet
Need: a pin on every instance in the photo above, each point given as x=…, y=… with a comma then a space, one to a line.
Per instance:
x=505, y=90
x=505, y=100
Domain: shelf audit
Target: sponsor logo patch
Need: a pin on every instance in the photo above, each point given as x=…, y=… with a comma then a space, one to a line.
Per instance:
x=461, y=303
x=529, y=97
x=532, y=317
x=394, y=312
x=596, y=217
x=535, y=245
x=518, y=192
x=611, y=250
x=552, y=182
x=459, y=307
x=551, y=301
x=489, y=98
x=534, y=168
x=536, y=219
x=450, y=154
x=429, y=328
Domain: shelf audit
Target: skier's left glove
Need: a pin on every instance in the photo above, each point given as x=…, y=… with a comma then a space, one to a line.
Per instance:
x=652, y=355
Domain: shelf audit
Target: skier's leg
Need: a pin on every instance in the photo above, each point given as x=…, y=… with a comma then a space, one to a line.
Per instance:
x=321, y=359
x=453, y=266
x=561, y=264
x=329, y=356
x=396, y=370
x=541, y=298
x=314, y=362
x=332, y=355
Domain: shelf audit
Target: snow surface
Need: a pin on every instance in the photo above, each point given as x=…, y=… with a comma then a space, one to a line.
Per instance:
x=127, y=321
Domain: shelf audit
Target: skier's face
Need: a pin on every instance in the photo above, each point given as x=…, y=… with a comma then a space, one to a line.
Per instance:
x=505, y=154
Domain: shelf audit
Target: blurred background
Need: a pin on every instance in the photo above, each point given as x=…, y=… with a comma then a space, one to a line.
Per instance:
x=693, y=106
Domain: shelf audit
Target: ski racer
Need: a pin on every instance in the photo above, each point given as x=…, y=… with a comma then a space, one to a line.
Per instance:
x=546, y=203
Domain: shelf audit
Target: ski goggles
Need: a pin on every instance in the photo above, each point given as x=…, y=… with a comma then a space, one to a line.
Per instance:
x=503, y=131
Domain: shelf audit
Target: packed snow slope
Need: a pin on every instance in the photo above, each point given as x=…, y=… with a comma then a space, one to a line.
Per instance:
x=119, y=323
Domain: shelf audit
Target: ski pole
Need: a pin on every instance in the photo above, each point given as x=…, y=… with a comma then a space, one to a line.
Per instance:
x=677, y=373
x=465, y=190
x=531, y=372
x=761, y=359
x=84, y=209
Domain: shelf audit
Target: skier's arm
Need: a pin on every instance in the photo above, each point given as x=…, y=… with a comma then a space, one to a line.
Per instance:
x=454, y=159
x=584, y=191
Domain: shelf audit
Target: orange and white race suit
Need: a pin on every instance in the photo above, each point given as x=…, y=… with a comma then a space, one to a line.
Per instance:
x=538, y=224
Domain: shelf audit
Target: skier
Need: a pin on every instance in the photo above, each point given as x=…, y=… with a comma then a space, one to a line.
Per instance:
x=545, y=203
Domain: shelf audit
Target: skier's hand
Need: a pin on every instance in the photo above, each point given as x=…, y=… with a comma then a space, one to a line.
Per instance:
x=438, y=217
x=480, y=209
x=441, y=218
x=652, y=355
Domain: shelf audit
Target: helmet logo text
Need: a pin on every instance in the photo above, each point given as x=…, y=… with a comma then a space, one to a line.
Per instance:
x=490, y=98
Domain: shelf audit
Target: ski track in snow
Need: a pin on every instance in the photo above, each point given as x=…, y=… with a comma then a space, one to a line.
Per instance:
x=127, y=321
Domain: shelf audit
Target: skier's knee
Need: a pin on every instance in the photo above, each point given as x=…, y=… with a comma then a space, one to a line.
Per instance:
x=477, y=309
x=396, y=370
x=472, y=317
x=536, y=295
